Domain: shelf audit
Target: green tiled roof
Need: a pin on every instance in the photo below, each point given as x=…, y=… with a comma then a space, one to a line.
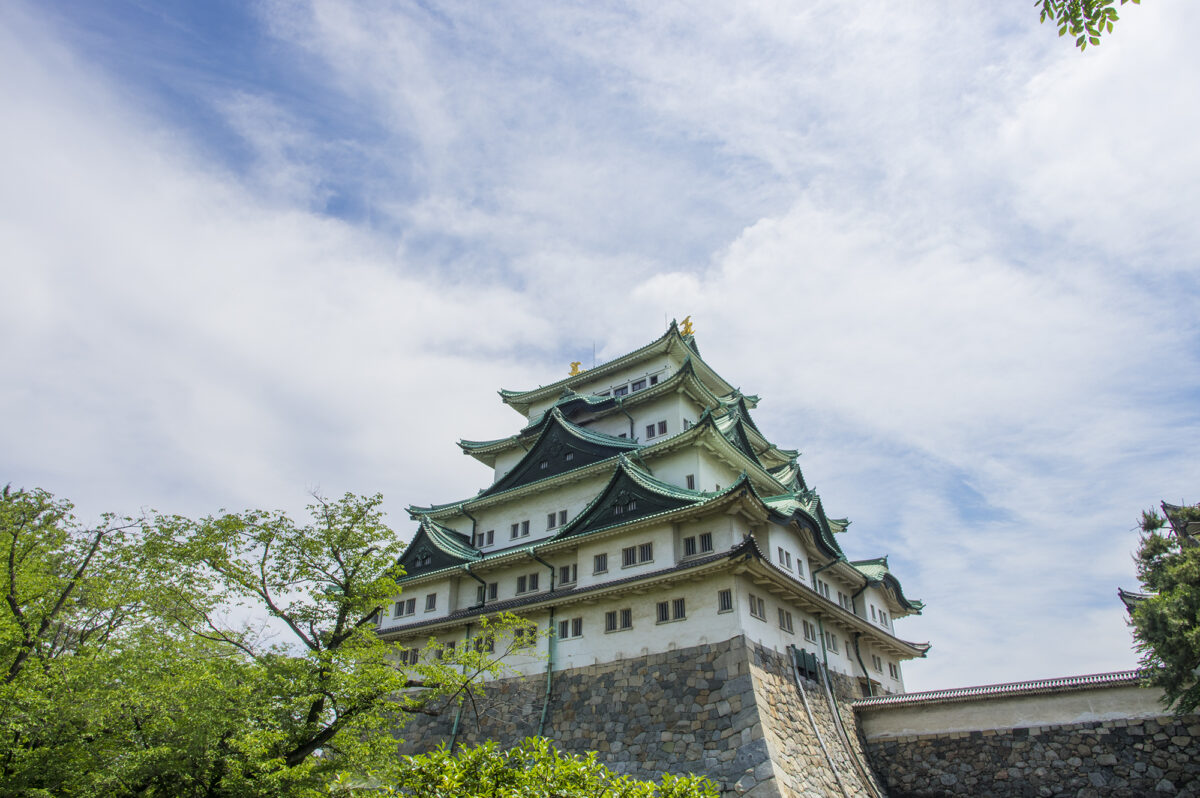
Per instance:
x=654, y=496
x=592, y=446
x=877, y=571
x=808, y=503
x=666, y=340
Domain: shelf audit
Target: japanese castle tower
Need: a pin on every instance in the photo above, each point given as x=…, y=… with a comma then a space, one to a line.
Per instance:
x=639, y=512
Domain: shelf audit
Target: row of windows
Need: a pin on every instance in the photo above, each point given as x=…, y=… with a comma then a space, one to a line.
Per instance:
x=893, y=668
x=658, y=428
x=409, y=606
x=632, y=387
x=758, y=609
x=702, y=543
x=567, y=457
x=636, y=555
x=519, y=529
x=622, y=620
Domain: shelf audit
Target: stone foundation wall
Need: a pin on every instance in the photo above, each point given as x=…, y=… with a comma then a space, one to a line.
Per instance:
x=729, y=711
x=1127, y=758
x=802, y=765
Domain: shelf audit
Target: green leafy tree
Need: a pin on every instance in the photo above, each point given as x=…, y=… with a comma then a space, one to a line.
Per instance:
x=1086, y=20
x=1167, y=621
x=333, y=692
x=126, y=671
x=533, y=768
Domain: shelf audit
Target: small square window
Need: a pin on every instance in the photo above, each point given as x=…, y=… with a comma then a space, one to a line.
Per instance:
x=524, y=529
x=637, y=385
x=544, y=465
x=600, y=564
x=567, y=574
x=569, y=456
x=785, y=621
x=493, y=589
x=706, y=543
x=677, y=609
x=624, y=389
x=724, y=601
x=629, y=556
x=562, y=517
x=551, y=520
x=663, y=611
x=689, y=546
x=758, y=608
x=646, y=552
x=533, y=581
x=654, y=379
x=690, y=481
x=810, y=631
x=627, y=619
x=649, y=430
x=662, y=428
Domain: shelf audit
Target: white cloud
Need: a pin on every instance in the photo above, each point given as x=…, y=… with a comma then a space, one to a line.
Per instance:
x=955, y=257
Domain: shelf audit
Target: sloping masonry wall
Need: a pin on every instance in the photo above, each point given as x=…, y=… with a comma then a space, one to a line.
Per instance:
x=1092, y=740
x=731, y=711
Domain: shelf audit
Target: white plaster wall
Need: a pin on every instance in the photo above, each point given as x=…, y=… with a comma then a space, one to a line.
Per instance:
x=660, y=536
x=878, y=598
x=703, y=624
x=572, y=497
x=775, y=537
x=769, y=634
x=674, y=467
x=713, y=473
x=505, y=462
x=1012, y=712
x=445, y=589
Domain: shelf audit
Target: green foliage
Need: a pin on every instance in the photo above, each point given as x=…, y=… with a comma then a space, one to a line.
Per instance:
x=124, y=670
x=534, y=768
x=1167, y=623
x=1086, y=20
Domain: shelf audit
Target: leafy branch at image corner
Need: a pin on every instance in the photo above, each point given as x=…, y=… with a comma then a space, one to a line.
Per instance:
x=1086, y=20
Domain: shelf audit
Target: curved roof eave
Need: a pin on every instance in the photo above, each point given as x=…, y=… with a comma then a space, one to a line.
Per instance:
x=521, y=400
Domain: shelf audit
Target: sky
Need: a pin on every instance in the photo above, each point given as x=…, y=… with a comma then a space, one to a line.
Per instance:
x=249, y=251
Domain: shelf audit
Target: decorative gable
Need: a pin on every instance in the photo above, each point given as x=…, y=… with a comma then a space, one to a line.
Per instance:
x=631, y=494
x=435, y=547
x=560, y=447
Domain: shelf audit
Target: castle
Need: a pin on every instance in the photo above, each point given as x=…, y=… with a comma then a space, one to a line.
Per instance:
x=701, y=616
x=640, y=510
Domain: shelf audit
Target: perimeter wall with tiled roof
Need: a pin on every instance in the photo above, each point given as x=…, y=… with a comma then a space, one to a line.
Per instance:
x=1085, y=736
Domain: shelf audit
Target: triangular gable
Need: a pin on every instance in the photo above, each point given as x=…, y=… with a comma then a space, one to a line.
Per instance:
x=631, y=494
x=560, y=447
x=435, y=547
x=570, y=403
x=743, y=411
x=735, y=433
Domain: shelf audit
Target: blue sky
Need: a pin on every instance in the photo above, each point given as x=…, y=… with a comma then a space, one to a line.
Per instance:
x=250, y=250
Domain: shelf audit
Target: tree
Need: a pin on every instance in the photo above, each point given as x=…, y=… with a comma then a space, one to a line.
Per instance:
x=1167, y=621
x=129, y=673
x=1086, y=20
x=532, y=768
